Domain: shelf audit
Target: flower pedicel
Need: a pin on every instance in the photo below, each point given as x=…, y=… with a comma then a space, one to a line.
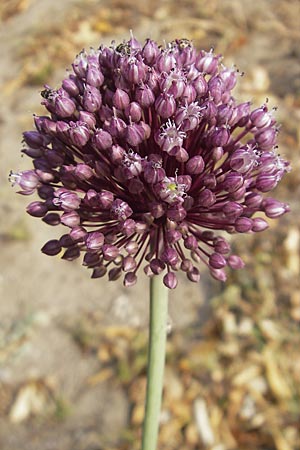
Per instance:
x=144, y=155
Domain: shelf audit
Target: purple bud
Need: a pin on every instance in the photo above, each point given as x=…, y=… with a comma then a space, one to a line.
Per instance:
x=195, y=165
x=70, y=85
x=150, y=52
x=217, y=261
x=228, y=76
x=66, y=200
x=210, y=181
x=91, y=259
x=243, y=224
x=45, y=125
x=71, y=253
x=135, y=186
x=170, y=256
x=110, y=252
x=189, y=94
x=153, y=171
x=200, y=85
x=233, y=181
x=193, y=275
x=134, y=71
x=117, y=154
x=116, y=127
x=191, y=242
x=92, y=99
x=157, y=210
x=221, y=246
x=114, y=274
x=134, y=111
x=51, y=248
x=224, y=113
x=240, y=115
x=273, y=208
x=253, y=200
x=259, y=224
x=79, y=133
x=34, y=139
x=220, y=136
x=144, y=96
x=165, y=61
x=37, y=209
x=173, y=236
x=121, y=99
x=66, y=241
x=165, y=105
x=64, y=106
x=266, y=183
x=130, y=279
x=218, y=274
x=33, y=152
x=88, y=118
x=83, y=172
x=206, y=198
x=186, y=265
x=128, y=227
x=173, y=83
x=181, y=154
x=235, y=262
x=94, y=241
x=51, y=219
x=102, y=140
x=261, y=118
x=177, y=213
x=106, y=199
x=78, y=234
x=135, y=134
x=99, y=272
x=207, y=63
x=170, y=280
x=128, y=263
x=70, y=219
x=45, y=192
x=216, y=88
x=239, y=194
x=80, y=64
x=157, y=266
x=94, y=76
x=217, y=154
x=232, y=210
x=131, y=247
x=266, y=138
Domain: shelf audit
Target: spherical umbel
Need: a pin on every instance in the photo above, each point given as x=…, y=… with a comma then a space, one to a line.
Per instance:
x=144, y=155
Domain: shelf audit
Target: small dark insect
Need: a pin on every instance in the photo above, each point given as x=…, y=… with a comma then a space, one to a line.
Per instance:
x=124, y=48
x=47, y=94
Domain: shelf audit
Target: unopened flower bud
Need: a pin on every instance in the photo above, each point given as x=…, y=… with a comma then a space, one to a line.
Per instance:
x=170, y=280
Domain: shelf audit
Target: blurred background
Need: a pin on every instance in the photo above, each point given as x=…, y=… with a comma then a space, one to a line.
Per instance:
x=72, y=349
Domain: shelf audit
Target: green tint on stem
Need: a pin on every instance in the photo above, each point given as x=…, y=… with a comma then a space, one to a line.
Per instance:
x=156, y=360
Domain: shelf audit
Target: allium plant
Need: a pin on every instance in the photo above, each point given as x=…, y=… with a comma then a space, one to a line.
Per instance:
x=144, y=156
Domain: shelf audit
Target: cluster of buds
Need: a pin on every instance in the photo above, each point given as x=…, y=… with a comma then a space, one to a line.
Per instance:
x=144, y=155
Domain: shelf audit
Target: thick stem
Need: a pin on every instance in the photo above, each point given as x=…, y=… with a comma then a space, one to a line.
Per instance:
x=156, y=361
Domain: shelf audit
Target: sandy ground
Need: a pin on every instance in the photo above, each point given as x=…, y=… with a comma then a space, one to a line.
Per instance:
x=42, y=299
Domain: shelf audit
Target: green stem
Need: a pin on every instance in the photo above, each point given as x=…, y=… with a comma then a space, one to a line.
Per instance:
x=156, y=361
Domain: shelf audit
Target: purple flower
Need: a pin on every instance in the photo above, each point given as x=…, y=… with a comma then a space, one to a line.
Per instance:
x=144, y=156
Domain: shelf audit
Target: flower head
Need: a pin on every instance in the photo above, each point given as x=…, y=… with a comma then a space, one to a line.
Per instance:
x=144, y=155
